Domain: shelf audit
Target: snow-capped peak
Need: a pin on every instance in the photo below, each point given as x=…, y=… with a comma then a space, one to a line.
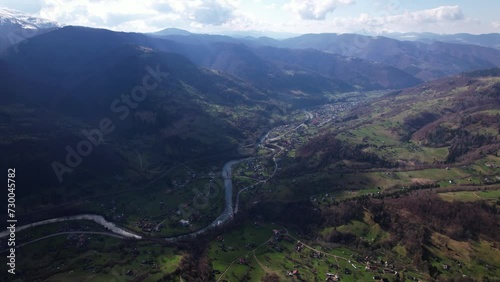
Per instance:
x=25, y=21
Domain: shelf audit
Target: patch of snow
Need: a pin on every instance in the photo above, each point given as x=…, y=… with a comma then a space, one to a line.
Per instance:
x=15, y=18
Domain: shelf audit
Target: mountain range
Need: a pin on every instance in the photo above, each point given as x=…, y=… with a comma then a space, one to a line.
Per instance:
x=486, y=40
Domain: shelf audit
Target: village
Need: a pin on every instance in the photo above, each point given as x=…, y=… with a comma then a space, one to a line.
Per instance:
x=290, y=137
x=163, y=217
x=283, y=140
x=253, y=169
x=305, y=259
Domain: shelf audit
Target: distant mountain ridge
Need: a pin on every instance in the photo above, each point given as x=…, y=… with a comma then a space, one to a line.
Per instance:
x=171, y=31
x=280, y=74
x=491, y=40
x=423, y=60
x=426, y=59
x=331, y=64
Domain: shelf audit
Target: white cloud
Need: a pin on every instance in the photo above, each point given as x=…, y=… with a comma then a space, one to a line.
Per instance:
x=436, y=15
x=206, y=12
x=212, y=12
x=144, y=16
x=423, y=20
x=162, y=7
x=244, y=22
x=94, y=13
x=315, y=10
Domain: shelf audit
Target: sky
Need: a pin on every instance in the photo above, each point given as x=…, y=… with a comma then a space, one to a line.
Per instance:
x=282, y=16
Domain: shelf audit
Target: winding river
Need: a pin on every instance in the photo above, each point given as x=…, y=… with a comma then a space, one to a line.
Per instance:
x=95, y=218
x=224, y=217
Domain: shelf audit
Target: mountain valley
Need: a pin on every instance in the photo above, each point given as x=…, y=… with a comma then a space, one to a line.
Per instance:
x=176, y=156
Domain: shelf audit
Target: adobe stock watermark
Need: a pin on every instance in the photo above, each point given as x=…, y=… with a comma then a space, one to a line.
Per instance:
x=121, y=107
